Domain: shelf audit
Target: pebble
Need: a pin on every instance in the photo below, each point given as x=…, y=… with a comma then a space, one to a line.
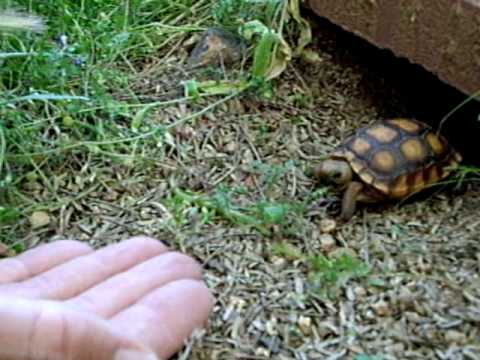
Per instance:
x=360, y=292
x=261, y=351
x=231, y=147
x=412, y=317
x=382, y=308
x=454, y=336
x=5, y=250
x=398, y=349
x=271, y=327
x=272, y=343
x=337, y=253
x=305, y=325
x=327, y=242
x=39, y=219
x=327, y=226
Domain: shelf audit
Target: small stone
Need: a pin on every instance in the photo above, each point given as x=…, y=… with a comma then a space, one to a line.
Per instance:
x=5, y=251
x=271, y=343
x=338, y=253
x=271, y=327
x=327, y=328
x=412, y=317
x=405, y=298
x=454, y=336
x=258, y=324
x=229, y=311
x=360, y=292
x=327, y=242
x=111, y=195
x=292, y=146
x=186, y=132
x=423, y=265
x=311, y=56
x=350, y=294
x=238, y=303
x=39, y=219
x=305, y=325
x=278, y=262
x=299, y=286
x=369, y=314
x=327, y=225
x=397, y=349
x=261, y=351
x=236, y=106
x=231, y=147
x=382, y=308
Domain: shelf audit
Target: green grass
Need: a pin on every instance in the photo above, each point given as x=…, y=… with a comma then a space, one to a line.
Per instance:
x=232, y=206
x=60, y=104
x=466, y=173
x=232, y=13
x=65, y=104
x=328, y=274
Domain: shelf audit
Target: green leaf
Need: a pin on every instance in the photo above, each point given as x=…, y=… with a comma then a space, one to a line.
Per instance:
x=262, y=57
x=8, y=214
x=273, y=213
x=192, y=89
x=18, y=248
x=137, y=120
x=331, y=274
x=305, y=31
x=272, y=53
x=252, y=28
x=287, y=250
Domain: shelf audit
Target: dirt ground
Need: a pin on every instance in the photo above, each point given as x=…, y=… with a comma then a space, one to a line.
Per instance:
x=421, y=298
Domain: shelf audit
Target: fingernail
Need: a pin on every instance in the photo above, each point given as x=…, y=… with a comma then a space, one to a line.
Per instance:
x=134, y=355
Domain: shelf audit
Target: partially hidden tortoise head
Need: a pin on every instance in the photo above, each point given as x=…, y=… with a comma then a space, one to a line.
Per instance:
x=334, y=171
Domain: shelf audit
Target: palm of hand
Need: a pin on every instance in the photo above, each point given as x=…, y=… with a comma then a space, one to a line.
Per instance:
x=131, y=300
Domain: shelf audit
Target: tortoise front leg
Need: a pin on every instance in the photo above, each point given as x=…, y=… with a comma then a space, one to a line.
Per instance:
x=350, y=198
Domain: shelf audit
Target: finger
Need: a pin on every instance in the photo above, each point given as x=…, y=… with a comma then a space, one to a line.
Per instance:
x=39, y=329
x=40, y=259
x=81, y=273
x=163, y=319
x=128, y=287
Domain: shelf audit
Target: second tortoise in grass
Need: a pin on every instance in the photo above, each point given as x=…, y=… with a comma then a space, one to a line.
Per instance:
x=217, y=46
x=388, y=160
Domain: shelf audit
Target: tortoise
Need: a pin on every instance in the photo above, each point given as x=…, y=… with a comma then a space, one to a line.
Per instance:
x=217, y=46
x=387, y=160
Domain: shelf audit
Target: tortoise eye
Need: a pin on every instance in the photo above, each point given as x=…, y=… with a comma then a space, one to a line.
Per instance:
x=336, y=175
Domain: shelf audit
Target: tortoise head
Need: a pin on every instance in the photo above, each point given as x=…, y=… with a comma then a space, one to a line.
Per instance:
x=334, y=171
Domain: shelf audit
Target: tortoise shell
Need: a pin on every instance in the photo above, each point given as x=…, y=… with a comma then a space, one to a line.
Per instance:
x=398, y=157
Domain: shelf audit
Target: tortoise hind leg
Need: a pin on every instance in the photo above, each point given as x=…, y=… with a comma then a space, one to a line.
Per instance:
x=349, y=201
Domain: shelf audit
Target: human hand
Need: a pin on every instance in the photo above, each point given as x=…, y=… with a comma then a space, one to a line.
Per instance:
x=131, y=300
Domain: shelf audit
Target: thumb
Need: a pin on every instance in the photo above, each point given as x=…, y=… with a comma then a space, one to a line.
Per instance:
x=50, y=330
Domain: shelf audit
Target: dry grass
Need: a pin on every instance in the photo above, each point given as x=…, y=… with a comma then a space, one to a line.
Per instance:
x=420, y=299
